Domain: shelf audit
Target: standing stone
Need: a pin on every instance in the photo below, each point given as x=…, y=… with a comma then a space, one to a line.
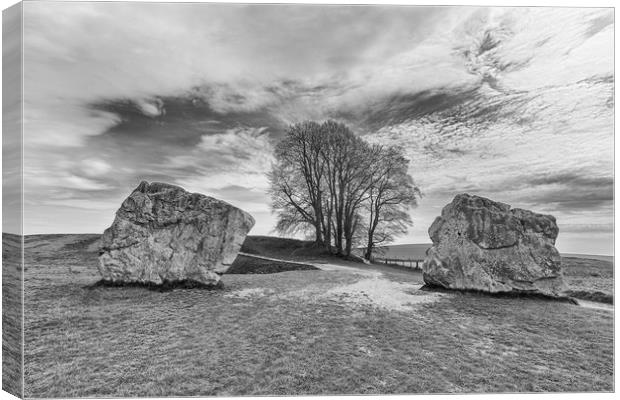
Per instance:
x=480, y=244
x=164, y=234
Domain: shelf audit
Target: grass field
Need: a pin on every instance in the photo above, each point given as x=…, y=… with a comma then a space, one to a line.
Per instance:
x=350, y=328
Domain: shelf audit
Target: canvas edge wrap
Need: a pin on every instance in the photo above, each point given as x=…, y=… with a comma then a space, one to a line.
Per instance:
x=12, y=200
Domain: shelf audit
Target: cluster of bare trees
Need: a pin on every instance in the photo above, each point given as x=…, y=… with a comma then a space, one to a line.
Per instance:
x=344, y=191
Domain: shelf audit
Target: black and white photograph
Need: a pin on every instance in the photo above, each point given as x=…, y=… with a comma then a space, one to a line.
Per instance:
x=226, y=199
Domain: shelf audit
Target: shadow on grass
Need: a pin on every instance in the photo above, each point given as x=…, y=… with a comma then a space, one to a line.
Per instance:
x=596, y=296
x=166, y=286
x=515, y=294
x=251, y=265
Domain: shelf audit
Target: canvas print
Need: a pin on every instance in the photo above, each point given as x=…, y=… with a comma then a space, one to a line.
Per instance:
x=220, y=199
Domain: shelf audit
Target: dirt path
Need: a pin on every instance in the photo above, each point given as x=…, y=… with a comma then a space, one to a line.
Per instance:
x=376, y=289
x=373, y=289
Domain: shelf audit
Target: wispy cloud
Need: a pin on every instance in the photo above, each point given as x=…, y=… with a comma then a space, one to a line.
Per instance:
x=512, y=103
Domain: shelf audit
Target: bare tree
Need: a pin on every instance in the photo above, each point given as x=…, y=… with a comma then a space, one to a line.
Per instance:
x=390, y=198
x=296, y=180
x=337, y=155
x=328, y=180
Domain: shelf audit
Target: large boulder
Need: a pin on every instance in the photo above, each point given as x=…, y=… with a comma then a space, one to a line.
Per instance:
x=480, y=244
x=163, y=234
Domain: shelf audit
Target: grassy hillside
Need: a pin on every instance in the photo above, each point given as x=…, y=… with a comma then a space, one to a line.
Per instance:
x=253, y=265
x=301, y=332
x=283, y=248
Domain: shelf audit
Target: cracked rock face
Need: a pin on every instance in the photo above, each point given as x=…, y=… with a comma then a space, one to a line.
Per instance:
x=164, y=234
x=479, y=244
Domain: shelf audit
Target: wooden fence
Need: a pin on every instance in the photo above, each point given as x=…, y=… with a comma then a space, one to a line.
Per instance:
x=405, y=262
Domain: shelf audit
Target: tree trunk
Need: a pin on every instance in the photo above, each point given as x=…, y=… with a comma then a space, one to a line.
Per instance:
x=328, y=230
x=349, y=246
x=319, y=236
x=374, y=221
x=339, y=244
x=338, y=236
x=368, y=252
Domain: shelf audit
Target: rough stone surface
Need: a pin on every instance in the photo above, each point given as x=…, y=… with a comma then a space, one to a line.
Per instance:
x=480, y=244
x=163, y=234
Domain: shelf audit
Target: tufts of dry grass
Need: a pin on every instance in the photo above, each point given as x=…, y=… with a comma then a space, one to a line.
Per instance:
x=262, y=335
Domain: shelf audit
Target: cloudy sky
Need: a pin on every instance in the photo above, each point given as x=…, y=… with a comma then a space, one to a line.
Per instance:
x=515, y=104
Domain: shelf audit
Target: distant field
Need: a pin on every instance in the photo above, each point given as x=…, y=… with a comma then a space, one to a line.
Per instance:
x=403, y=251
x=298, y=332
x=590, y=257
x=589, y=279
x=418, y=251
